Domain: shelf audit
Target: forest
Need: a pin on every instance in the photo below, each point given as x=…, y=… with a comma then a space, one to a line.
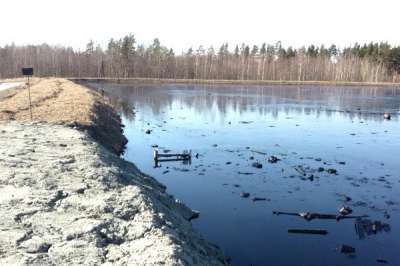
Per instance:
x=125, y=58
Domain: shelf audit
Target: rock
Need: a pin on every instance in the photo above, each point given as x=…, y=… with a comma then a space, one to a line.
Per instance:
x=35, y=245
x=273, y=159
x=346, y=249
x=244, y=194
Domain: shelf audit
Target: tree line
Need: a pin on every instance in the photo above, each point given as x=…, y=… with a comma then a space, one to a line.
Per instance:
x=125, y=58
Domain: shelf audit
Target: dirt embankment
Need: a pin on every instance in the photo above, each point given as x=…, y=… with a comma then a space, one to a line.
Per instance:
x=59, y=101
x=66, y=200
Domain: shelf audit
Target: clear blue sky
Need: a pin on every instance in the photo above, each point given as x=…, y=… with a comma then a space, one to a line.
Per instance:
x=181, y=24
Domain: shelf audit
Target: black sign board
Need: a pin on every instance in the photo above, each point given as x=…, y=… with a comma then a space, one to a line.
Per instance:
x=27, y=71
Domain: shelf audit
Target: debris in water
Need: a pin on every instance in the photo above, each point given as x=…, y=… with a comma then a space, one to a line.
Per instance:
x=386, y=116
x=345, y=210
x=148, y=131
x=256, y=165
x=273, y=159
x=308, y=216
x=386, y=215
x=259, y=199
x=382, y=261
x=365, y=227
x=332, y=171
x=245, y=173
x=346, y=249
x=244, y=194
x=308, y=231
x=259, y=152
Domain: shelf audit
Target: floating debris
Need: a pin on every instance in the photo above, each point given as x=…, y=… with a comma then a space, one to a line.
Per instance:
x=346, y=249
x=148, y=131
x=308, y=231
x=365, y=227
x=244, y=194
x=382, y=261
x=257, y=165
x=332, y=171
x=273, y=159
x=308, y=216
x=345, y=210
x=387, y=116
x=259, y=152
x=259, y=199
x=245, y=173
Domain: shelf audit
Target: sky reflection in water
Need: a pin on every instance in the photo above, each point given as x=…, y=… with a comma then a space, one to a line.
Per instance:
x=307, y=127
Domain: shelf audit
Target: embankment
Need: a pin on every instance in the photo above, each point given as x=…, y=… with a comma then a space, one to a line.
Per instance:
x=59, y=101
x=67, y=199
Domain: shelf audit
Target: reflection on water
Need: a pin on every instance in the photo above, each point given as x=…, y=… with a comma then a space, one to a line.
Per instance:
x=335, y=150
x=353, y=102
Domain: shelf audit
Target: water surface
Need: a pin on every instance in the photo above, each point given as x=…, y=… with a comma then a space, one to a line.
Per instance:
x=306, y=127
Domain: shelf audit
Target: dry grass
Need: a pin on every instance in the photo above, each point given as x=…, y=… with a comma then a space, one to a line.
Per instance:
x=64, y=102
x=53, y=100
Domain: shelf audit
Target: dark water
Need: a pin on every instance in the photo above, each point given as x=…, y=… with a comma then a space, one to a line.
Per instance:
x=306, y=127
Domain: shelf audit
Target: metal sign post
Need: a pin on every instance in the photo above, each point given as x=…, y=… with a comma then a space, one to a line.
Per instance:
x=28, y=71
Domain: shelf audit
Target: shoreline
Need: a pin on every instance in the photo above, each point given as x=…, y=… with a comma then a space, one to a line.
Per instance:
x=68, y=198
x=233, y=82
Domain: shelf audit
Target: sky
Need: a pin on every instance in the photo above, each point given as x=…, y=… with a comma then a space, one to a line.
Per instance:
x=181, y=24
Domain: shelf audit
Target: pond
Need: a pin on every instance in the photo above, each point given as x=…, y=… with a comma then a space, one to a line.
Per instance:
x=334, y=150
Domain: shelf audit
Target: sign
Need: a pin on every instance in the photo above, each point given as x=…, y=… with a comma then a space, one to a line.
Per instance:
x=27, y=71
